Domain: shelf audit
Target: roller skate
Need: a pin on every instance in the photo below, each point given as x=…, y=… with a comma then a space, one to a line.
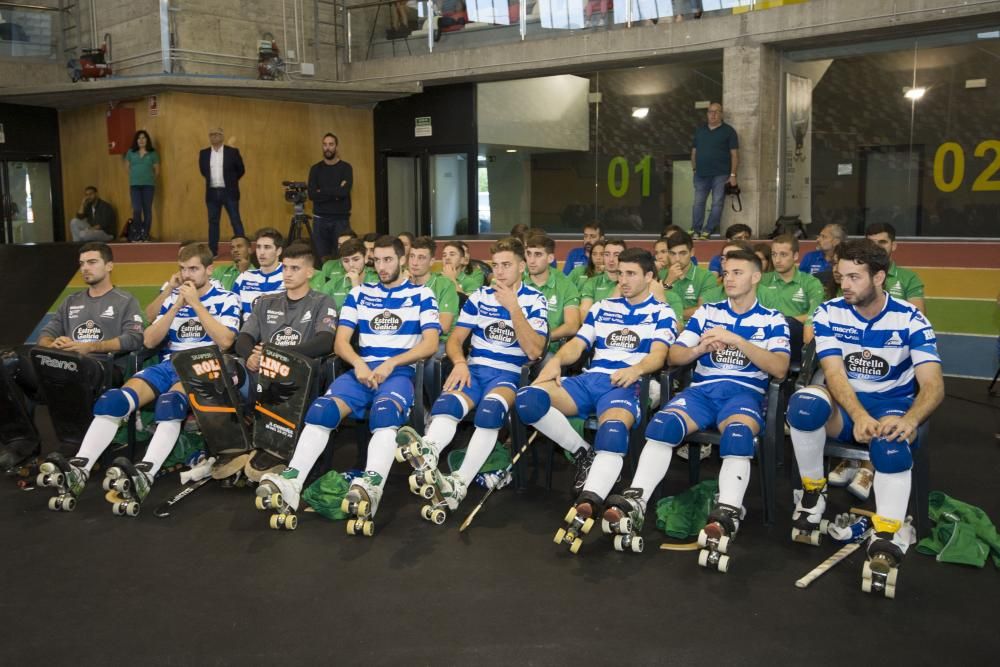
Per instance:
x=718, y=533
x=808, y=524
x=445, y=493
x=361, y=503
x=886, y=549
x=130, y=484
x=843, y=473
x=422, y=455
x=583, y=458
x=579, y=520
x=67, y=477
x=263, y=463
x=624, y=518
x=280, y=494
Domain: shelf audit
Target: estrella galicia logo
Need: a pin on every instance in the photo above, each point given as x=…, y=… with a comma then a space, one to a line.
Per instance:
x=285, y=337
x=864, y=365
x=623, y=339
x=88, y=332
x=500, y=333
x=730, y=358
x=386, y=322
x=191, y=330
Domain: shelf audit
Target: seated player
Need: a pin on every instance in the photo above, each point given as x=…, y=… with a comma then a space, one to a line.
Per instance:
x=298, y=319
x=99, y=319
x=455, y=266
x=899, y=282
x=561, y=296
x=195, y=314
x=580, y=256
x=507, y=322
x=356, y=272
x=630, y=336
x=595, y=265
x=267, y=279
x=397, y=325
x=737, y=232
x=736, y=344
x=684, y=276
x=819, y=260
x=602, y=285
x=333, y=266
x=794, y=294
x=239, y=251
x=875, y=352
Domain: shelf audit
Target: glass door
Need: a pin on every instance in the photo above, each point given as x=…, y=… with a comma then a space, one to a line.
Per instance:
x=404, y=194
x=448, y=178
x=27, y=201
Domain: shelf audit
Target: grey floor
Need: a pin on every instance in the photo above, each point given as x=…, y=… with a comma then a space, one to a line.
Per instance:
x=213, y=585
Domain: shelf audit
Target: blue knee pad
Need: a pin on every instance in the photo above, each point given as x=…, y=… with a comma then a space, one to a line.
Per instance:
x=492, y=413
x=324, y=412
x=117, y=403
x=809, y=409
x=532, y=403
x=612, y=436
x=385, y=414
x=890, y=455
x=737, y=440
x=450, y=405
x=667, y=427
x=171, y=407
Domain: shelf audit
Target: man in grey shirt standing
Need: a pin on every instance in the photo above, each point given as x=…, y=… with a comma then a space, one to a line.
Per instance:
x=715, y=157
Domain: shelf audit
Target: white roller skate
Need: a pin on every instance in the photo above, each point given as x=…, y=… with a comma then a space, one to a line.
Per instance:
x=808, y=524
x=361, y=503
x=127, y=485
x=886, y=549
x=422, y=455
x=444, y=493
x=624, y=518
x=843, y=473
x=67, y=477
x=579, y=520
x=280, y=493
x=715, y=538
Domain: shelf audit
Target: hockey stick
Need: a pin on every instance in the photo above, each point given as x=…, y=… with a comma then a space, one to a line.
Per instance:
x=163, y=510
x=683, y=546
x=513, y=461
x=840, y=555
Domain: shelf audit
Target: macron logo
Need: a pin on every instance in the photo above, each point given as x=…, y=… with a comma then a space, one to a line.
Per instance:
x=307, y=317
x=758, y=335
x=109, y=312
x=894, y=339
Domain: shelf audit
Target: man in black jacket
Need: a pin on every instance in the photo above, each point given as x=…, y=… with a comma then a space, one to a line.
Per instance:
x=95, y=221
x=330, y=182
x=222, y=167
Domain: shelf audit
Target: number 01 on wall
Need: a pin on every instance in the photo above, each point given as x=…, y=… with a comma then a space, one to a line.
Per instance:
x=949, y=167
x=618, y=175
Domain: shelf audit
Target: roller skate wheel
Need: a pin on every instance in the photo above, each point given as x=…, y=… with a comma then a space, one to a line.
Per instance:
x=570, y=515
x=132, y=508
x=890, y=592
x=47, y=467
x=345, y=506
x=54, y=503
x=816, y=537
x=438, y=516
x=42, y=479
x=121, y=485
x=723, y=564
x=118, y=509
x=106, y=483
x=618, y=543
x=400, y=457
x=259, y=503
x=575, y=547
x=587, y=525
x=425, y=512
x=890, y=579
x=702, y=538
x=368, y=528
x=637, y=545
x=866, y=585
x=414, y=485
x=275, y=500
x=362, y=507
x=350, y=527
x=274, y=523
x=427, y=491
x=560, y=536
x=824, y=527
x=625, y=525
x=723, y=544
x=703, y=557
x=866, y=573
x=606, y=527
x=291, y=522
x=69, y=504
x=412, y=450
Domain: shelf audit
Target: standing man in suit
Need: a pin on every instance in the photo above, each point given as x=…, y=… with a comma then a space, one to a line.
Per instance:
x=222, y=167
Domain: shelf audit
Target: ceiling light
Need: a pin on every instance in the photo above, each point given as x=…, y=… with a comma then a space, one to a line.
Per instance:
x=640, y=112
x=481, y=158
x=915, y=93
x=511, y=150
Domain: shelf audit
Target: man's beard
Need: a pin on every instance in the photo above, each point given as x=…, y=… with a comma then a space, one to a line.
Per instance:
x=393, y=278
x=863, y=300
x=329, y=154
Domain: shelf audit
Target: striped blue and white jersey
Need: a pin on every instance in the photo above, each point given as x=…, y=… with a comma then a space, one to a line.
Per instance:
x=622, y=334
x=187, y=331
x=494, y=341
x=389, y=320
x=763, y=327
x=880, y=354
x=254, y=283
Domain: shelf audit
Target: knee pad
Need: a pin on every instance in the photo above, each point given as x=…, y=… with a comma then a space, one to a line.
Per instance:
x=612, y=436
x=532, y=403
x=737, y=440
x=492, y=413
x=809, y=409
x=117, y=403
x=449, y=405
x=385, y=414
x=890, y=455
x=324, y=412
x=667, y=427
x=171, y=407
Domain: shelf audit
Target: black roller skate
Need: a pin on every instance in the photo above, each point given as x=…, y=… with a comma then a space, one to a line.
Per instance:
x=718, y=533
x=886, y=549
x=67, y=477
x=579, y=520
x=808, y=524
x=624, y=518
x=127, y=485
x=583, y=458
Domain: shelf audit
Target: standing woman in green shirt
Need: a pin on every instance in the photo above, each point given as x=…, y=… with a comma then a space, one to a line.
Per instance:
x=143, y=164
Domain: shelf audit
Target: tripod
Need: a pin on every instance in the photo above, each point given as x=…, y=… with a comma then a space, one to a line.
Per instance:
x=300, y=222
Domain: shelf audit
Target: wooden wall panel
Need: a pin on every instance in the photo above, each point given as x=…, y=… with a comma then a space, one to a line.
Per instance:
x=278, y=140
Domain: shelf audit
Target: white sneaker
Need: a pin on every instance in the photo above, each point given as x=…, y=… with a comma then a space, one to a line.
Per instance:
x=861, y=487
x=843, y=473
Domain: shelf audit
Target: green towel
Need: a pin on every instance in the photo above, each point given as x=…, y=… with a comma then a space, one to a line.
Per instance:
x=962, y=533
x=499, y=459
x=326, y=493
x=684, y=515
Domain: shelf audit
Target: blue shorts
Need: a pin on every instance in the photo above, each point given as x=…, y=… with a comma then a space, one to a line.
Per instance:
x=708, y=405
x=593, y=394
x=160, y=377
x=485, y=379
x=359, y=397
x=877, y=408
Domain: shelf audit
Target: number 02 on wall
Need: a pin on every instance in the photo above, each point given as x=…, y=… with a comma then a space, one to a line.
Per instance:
x=949, y=182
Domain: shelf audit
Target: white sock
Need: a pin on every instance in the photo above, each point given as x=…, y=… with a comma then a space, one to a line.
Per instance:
x=653, y=464
x=556, y=427
x=164, y=439
x=480, y=447
x=381, y=452
x=734, y=476
x=892, y=494
x=441, y=431
x=100, y=434
x=604, y=473
x=311, y=444
x=808, y=446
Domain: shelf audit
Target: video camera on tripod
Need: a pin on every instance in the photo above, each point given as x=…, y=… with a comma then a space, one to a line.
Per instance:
x=296, y=193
